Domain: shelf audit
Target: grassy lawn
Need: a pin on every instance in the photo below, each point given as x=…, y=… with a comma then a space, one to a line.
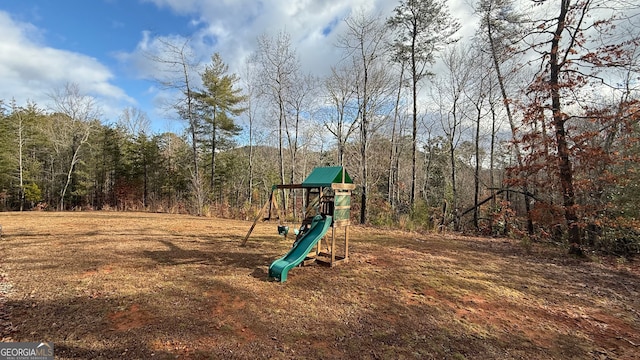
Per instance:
x=140, y=286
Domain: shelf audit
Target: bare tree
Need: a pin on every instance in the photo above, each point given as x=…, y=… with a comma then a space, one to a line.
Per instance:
x=478, y=95
x=300, y=102
x=178, y=70
x=501, y=27
x=252, y=104
x=134, y=121
x=340, y=94
x=423, y=27
x=396, y=132
x=278, y=64
x=449, y=91
x=364, y=45
x=76, y=115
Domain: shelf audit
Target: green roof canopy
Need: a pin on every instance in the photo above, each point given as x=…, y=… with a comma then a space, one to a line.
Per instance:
x=325, y=176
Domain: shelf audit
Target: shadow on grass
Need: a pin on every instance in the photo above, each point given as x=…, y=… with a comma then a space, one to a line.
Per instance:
x=261, y=274
x=163, y=325
x=211, y=318
x=175, y=255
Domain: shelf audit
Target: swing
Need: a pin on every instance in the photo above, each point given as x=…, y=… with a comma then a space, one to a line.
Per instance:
x=283, y=230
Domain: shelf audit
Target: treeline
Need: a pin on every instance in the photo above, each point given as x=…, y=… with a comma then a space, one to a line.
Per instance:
x=529, y=128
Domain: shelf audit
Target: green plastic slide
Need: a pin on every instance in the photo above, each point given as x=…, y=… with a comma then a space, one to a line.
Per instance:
x=301, y=248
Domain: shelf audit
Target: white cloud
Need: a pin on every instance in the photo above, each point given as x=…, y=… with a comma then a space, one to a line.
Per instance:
x=231, y=27
x=30, y=70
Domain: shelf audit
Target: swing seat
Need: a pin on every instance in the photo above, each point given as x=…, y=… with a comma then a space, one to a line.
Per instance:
x=283, y=230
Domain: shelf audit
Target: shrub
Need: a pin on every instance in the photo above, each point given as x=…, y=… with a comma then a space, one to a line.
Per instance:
x=619, y=240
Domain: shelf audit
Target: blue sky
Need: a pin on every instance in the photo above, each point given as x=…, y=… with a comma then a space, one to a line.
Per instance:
x=92, y=32
x=98, y=44
x=95, y=28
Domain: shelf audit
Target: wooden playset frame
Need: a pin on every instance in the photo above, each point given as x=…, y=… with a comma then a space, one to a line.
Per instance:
x=328, y=192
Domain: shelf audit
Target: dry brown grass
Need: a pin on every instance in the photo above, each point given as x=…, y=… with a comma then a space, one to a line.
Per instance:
x=139, y=286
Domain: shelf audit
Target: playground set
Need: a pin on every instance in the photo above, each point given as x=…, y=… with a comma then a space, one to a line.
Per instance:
x=328, y=206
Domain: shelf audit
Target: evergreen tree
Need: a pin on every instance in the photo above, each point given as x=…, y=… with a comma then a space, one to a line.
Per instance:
x=219, y=103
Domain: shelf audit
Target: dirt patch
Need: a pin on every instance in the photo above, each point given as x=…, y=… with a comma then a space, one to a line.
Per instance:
x=136, y=285
x=131, y=318
x=226, y=311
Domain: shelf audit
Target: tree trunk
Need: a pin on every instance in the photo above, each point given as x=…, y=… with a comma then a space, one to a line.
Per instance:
x=281, y=120
x=512, y=125
x=476, y=180
x=492, y=163
x=74, y=159
x=145, y=193
x=197, y=183
x=365, y=171
x=414, y=134
x=20, y=160
x=559, y=121
x=454, y=202
x=363, y=152
x=250, y=197
x=393, y=152
x=213, y=150
x=363, y=145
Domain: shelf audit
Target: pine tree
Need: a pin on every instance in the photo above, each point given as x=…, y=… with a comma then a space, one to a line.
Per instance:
x=423, y=27
x=219, y=103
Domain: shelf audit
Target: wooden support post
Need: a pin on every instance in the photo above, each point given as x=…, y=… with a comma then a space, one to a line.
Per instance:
x=275, y=209
x=346, y=243
x=264, y=207
x=333, y=246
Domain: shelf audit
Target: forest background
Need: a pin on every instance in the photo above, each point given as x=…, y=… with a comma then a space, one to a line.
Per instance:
x=527, y=129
